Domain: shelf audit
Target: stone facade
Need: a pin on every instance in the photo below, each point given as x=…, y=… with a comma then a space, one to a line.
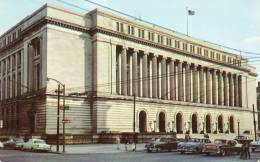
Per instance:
x=180, y=84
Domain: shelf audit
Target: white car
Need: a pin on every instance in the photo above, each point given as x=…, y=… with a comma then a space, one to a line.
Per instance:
x=1, y=145
x=255, y=145
x=36, y=145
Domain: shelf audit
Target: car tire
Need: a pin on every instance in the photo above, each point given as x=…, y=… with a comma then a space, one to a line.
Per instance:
x=158, y=149
x=148, y=150
x=252, y=149
x=208, y=153
x=182, y=152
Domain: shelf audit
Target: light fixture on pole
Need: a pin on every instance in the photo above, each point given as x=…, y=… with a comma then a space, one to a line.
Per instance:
x=63, y=107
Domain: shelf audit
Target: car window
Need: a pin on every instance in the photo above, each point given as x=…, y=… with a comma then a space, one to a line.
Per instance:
x=220, y=141
x=39, y=141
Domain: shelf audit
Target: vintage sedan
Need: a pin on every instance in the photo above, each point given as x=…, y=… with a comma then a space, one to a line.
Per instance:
x=36, y=145
x=161, y=144
x=222, y=147
x=13, y=143
x=255, y=145
x=194, y=145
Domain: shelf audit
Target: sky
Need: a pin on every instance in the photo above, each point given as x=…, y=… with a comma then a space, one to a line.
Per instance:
x=232, y=23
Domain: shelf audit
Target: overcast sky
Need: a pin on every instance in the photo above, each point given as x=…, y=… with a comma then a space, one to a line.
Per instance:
x=233, y=23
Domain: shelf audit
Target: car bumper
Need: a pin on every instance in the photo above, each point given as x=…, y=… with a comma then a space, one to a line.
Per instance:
x=186, y=150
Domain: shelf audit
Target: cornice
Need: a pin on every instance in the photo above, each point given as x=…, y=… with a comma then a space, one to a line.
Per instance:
x=159, y=46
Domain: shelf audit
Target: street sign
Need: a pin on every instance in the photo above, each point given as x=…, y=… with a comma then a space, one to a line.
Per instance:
x=64, y=107
x=66, y=121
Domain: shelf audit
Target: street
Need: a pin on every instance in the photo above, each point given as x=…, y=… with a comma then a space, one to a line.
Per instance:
x=20, y=156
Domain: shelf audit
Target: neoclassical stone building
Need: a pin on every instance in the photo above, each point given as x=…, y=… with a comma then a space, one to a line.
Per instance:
x=180, y=84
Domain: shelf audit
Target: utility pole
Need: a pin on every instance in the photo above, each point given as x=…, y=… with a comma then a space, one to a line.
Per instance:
x=254, y=120
x=58, y=120
x=238, y=129
x=63, y=123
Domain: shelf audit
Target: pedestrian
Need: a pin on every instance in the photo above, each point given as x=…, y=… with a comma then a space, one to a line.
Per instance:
x=118, y=142
x=247, y=152
x=126, y=142
x=242, y=153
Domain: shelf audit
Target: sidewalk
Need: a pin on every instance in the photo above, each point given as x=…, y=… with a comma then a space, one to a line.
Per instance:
x=97, y=148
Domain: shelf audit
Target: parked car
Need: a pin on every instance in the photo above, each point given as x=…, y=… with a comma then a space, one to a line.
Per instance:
x=222, y=147
x=255, y=145
x=1, y=145
x=36, y=145
x=162, y=144
x=240, y=139
x=194, y=145
x=13, y=143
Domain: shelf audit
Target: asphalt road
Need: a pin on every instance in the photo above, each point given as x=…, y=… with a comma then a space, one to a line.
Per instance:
x=19, y=156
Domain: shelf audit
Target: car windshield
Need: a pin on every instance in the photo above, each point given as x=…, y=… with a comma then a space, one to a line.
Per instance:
x=194, y=140
x=39, y=141
x=220, y=141
x=19, y=140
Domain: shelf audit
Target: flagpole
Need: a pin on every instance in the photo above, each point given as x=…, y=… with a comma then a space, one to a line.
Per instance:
x=187, y=23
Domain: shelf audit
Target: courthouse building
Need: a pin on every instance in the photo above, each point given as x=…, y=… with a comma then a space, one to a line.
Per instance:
x=181, y=84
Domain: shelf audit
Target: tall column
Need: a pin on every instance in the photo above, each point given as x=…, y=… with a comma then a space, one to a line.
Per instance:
x=188, y=83
x=134, y=73
x=163, y=78
x=195, y=84
x=214, y=87
x=145, y=76
x=236, y=94
x=172, y=82
x=202, y=86
x=130, y=78
x=150, y=77
x=231, y=90
x=123, y=72
x=226, y=89
x=180, y=82
x=154, y=77
x=240, y=90
x=168, y=81
x=208, y=86
x=220, y=88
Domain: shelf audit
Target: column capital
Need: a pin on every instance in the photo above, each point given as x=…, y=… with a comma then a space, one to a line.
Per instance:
x=146, y=53
x=135, y=50
x=123, y=47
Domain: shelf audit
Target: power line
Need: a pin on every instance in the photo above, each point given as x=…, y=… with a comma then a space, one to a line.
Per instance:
x=154, y=24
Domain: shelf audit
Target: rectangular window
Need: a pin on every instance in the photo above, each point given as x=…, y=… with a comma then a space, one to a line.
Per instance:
x=142, y=33
x=13, y=61
x=122, y=27
x=14, y=35
x=206, y=53
x=129, y=29
x=9, y=39
x=19, y=82
x=223, y=58
x=159, y=38
x=13, y=85
x=38, y=77
x=132, y=30
x=212, y=54
x=19, y=59
x=184, y=46
x=139, y=33
x=177, y=44
x=19, y=32
x=117, y=26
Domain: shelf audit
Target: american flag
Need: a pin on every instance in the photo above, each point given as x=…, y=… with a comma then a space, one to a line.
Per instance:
x=191, y=12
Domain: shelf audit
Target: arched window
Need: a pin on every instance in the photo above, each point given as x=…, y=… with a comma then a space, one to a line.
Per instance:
x=142, y=121
x=208, y=123
x=220, y=124
x=162, y=122
x=194, y=122
x=231, y=124
x=179, y=123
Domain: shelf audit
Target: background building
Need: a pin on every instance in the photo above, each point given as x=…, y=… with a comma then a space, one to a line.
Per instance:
x=181, y=84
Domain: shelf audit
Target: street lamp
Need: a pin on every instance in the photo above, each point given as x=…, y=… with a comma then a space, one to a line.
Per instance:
x=172, y=126
x=58, y=114
x=238, y=129
x=154, y=125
